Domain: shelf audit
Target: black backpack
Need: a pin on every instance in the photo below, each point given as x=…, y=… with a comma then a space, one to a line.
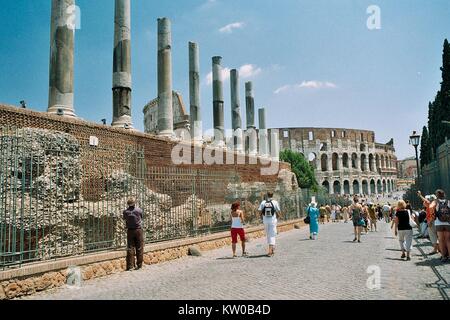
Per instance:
x=268, y=210
x=443, y=211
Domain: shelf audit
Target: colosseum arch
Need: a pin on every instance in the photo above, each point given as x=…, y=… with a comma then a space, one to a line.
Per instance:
x=365, y=187
x=354, y=161
x=372, y=187
x=384, y=185
x=363, y=162
x=389, y=186
x=326, y=185
x=379, y=186
x=335, y=161
x=337, y=187
x=371, y=163
x=362, y=147
x=356, y=187
x=377, y=161
x=345, y=160
x=347, y=187
x=324, y=162
x=312, y=158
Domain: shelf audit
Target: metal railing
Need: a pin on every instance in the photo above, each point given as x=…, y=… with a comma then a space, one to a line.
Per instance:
x=60, y=197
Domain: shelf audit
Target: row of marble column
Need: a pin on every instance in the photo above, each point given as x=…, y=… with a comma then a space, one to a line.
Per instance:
x=340, y=164
x=61, y=93
x=387, y=187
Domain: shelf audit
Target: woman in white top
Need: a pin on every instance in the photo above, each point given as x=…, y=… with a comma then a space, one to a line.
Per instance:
x=237, y=228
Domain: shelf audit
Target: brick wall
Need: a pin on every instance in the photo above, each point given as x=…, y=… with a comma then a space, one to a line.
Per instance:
x=157, y=150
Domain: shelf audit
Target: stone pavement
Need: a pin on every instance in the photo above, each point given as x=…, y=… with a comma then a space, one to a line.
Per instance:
x=332, y=267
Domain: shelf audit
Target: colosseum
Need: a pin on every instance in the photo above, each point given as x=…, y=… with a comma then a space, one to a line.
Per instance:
x=346, y=161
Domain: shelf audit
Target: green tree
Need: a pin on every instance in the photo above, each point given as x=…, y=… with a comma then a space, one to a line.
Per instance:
x=444, y=111
x=425, y=148
x=301, y=168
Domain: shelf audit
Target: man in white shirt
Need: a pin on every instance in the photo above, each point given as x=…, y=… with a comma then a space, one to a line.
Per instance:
x=269, y=210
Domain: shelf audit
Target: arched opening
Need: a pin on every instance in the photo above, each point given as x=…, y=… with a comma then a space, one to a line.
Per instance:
x=324, y=162
x=335, y=161
x=312, y=158
x=371, y=163
x=365, y=187
x=326, y=185
x=377, y=160
x=346, y=187
x=345, y=160
x=354, y=161
x=382, y=162
x=362, y=147
x=379, y=186
x=372, y=187
x=384, y=186
x=389, y=186
x=337, y=187
x=356, y=187
x=363, y=162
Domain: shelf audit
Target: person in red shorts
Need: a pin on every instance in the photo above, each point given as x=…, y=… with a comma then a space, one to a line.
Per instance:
x=237, y=228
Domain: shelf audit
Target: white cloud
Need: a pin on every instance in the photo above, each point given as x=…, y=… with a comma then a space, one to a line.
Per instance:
x=312, y=84
x=245, y=71
x=249, y=70
x=282, y=89
x=229, y=27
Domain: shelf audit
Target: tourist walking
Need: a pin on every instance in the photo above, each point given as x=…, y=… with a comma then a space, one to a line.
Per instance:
x=135, y=236
x=345, y=213
x=442, y=208
x=313, y=214
x=387, y=212
x=372, y=217
x=358, y=221
x=431, y=220
x=237, y=228
x=270, y=209
x=323, y=213
x=403, y=229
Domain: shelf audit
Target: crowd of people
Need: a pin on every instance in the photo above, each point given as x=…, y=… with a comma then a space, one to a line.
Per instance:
x=433, y=222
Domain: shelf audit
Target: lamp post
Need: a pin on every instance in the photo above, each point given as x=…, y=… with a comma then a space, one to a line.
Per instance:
x=414, y=139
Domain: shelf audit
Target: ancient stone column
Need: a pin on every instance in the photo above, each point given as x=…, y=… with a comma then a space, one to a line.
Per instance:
x=250, y=115
x=263, y=138
x=62, y=36
x=165, y=108
x=194, y=92
x=236, y=111
x=275, y=145
x=219, y=126
x=122, y=65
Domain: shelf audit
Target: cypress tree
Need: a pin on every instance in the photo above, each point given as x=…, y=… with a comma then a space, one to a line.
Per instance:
x=443, y=109
x=425, y=148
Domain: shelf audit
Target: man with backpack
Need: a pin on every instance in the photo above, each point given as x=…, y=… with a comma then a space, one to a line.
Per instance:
x=441, y=207
x=269, y=210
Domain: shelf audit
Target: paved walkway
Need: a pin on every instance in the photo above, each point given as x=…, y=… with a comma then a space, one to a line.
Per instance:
x=331, y=268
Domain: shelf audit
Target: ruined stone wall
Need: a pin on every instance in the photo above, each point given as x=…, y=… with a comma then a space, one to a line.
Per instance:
x=347, y=161
x=157, y=150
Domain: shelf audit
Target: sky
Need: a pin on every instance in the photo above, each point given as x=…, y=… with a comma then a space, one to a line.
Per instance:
x=313, y=63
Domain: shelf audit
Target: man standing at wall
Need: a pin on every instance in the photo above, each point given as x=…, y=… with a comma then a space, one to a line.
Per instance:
x=135, y=236
x=270, y=209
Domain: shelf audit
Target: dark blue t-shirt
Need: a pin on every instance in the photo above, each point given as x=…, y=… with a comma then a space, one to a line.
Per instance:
x=133, y=216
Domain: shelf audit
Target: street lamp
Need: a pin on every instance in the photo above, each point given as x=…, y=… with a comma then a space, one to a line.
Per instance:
x=414, y=139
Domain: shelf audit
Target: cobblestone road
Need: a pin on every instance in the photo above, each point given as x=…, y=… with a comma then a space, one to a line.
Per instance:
x=331, y=268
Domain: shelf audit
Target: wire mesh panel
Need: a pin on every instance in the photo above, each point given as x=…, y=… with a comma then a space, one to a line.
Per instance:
x=63, y=197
